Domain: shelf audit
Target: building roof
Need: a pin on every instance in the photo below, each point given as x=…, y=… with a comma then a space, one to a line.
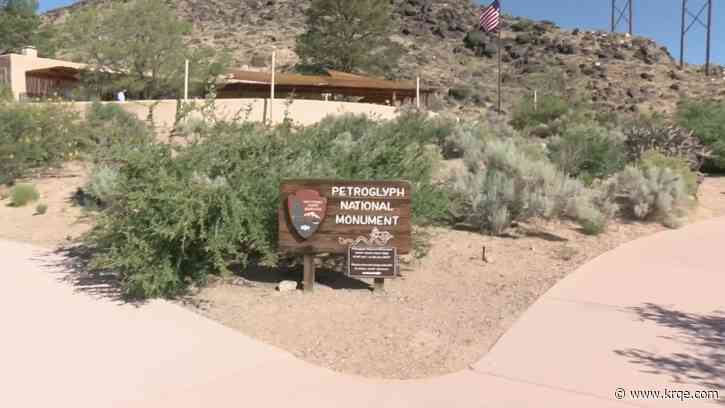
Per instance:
x=335, y=81
x=57, y=71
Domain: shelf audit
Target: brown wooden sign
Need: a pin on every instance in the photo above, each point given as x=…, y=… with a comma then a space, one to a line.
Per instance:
x=329, y=216
x=372, y=262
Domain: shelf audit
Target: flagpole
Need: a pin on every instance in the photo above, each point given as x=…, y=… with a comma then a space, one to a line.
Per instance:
x=500, y=12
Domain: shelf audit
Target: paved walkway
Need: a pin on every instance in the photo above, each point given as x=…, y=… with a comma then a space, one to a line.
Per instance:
x=649, y=315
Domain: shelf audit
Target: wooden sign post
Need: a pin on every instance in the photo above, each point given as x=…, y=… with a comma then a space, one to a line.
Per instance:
x=368, y=221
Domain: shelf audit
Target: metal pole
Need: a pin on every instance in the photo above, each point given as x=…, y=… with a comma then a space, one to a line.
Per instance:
x=500, y=12
x=614, y=4
x=271, y=98
x=417, y=92
x=682, y=35
x=709, y=29
x=631, y=19
x=186, y=80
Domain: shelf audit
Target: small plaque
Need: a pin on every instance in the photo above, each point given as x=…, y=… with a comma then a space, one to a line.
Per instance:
x=372, y=262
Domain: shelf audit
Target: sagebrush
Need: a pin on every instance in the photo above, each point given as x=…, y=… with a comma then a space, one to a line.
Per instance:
x=505, y=184
x=654, y=193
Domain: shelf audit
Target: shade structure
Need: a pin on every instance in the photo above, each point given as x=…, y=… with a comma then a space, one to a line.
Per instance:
x=239, y=83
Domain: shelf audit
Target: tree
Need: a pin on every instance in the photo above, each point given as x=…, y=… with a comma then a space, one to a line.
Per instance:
x=138, y=46
x=20, y=26
x=348, y=35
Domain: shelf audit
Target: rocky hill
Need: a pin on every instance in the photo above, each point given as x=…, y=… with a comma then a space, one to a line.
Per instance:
x=442, y=45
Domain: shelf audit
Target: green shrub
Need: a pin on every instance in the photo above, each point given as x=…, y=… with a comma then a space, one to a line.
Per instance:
x=6, y=95
x=183, y=213
x=461, y=93
x=707, y=120
x=677, y=165
x=478, y=43
x=22, y=194
x=589, y=151
x=652, y=193
x=41, y=208
x=37, y=136
x=548, y=109
x=109, y=126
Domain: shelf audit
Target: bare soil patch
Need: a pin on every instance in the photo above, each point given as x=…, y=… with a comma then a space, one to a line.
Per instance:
x=63, y=221
x=442, y=315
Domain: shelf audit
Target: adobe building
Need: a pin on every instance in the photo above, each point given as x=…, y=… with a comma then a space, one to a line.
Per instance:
x=29, y=76
x=33, y=77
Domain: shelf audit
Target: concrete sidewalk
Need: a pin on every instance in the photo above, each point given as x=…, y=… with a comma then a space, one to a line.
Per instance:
x=649, y=315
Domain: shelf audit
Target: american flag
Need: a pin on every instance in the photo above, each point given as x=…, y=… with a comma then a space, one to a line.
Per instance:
x=489, y=18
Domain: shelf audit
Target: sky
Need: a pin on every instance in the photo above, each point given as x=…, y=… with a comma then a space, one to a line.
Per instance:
x=657, y=19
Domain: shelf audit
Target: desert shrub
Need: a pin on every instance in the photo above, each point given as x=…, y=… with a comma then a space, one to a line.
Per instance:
x=103, y=185
x=108, y=125
x=478, y=42
x=522, y=25
x=655, y=193
x=677, y=165
x=670, y=141
x=41, y=208
x=6, y=95
x=22, y=194
x=466, y=137
x=183, y=213
x=548, y=109
x=37, y=136
x=461, y=93
x=595, y=207
x=504, y=184
x=707, y=121
x=588, y=151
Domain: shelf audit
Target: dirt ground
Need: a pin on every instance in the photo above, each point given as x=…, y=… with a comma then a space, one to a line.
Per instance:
x=63, y=220
x=443, y=314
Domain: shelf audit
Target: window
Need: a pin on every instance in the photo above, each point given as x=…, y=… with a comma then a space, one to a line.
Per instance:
x=4, y=75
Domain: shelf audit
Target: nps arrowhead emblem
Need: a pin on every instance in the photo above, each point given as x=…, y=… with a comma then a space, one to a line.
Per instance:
x=306, y=211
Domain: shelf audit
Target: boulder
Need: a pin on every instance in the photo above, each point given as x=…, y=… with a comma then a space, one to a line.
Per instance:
x=287, y=286
x=566, y=48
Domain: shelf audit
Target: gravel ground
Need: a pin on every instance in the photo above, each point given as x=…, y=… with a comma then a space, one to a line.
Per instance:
x=444, y=314
x=446, y=311
x=63, y=220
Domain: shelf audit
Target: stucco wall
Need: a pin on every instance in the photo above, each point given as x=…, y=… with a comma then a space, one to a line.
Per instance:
x=303, y=112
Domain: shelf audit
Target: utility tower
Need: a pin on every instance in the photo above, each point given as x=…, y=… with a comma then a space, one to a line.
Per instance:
x=623, y=12
x=696, y=18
